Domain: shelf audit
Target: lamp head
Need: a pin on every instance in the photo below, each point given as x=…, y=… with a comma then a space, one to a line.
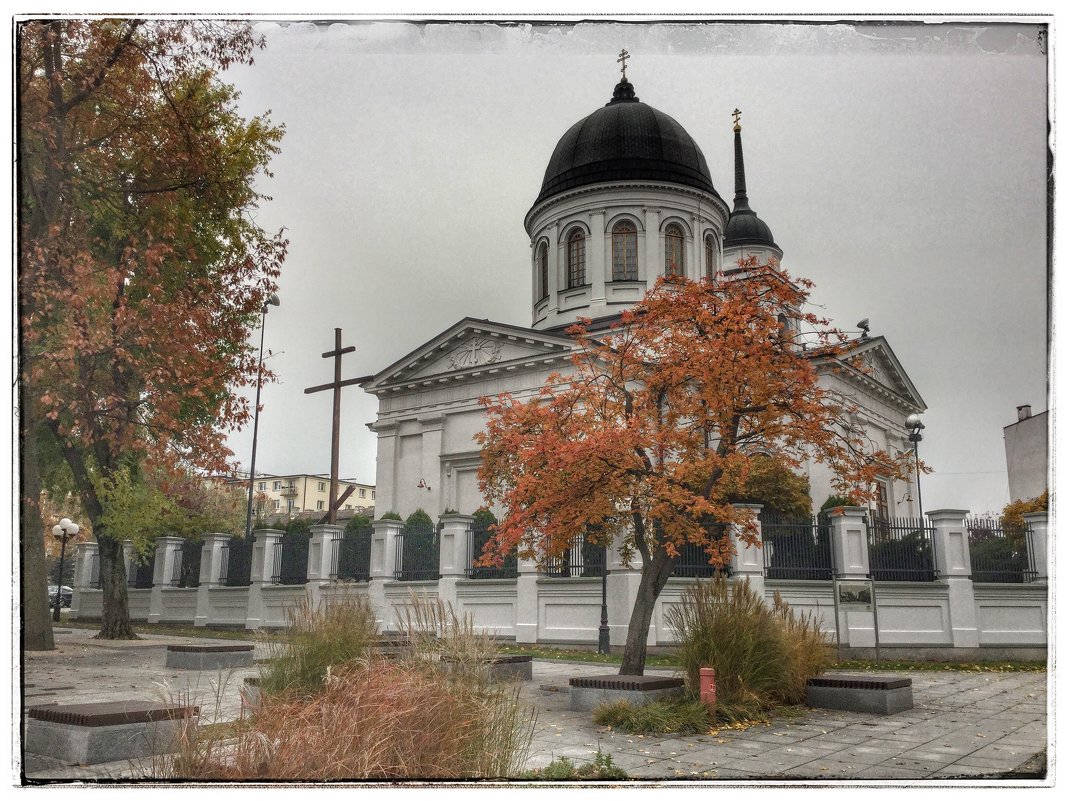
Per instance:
x=914, y=423
x=272, y=300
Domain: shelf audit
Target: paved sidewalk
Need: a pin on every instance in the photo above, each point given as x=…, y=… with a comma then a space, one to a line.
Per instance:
x=965, y=726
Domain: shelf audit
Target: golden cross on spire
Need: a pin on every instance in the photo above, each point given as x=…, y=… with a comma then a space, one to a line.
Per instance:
x=623, y=56
x=737, y=116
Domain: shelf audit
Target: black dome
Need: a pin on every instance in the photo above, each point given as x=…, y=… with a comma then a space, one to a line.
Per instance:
x=745, y=228
x=624, y=141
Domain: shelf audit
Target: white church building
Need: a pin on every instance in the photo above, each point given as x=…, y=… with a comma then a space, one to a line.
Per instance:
x=627, y=196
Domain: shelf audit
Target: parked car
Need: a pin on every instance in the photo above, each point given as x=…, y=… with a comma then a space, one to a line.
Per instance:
x=66, y=595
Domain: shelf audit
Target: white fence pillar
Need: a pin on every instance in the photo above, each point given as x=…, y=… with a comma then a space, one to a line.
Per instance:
x=323, y=550
x=383, y=564
x=263, y=550
x=454, y=555
x=210, y=575
x=88, y=555
x=954, y=565
x=526, y=601
x=1038, y=541
x=623, y=581
x=849, y=552
x=747, y=563
x=168, y=549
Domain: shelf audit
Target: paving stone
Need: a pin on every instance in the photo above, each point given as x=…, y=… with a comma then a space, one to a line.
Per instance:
x=885, y=772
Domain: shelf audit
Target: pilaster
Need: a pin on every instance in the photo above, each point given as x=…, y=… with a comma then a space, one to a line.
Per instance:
x=849, y=555
x=454, y=556
x=747, y=562
x=954, y=566
x=87, y=553
x=526, y=601
x=383, y=565
x=210, y=575
x=322, y=559
x=167, y=550
x=263, y=550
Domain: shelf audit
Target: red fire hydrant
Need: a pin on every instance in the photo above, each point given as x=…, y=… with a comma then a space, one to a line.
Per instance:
x=708, y=687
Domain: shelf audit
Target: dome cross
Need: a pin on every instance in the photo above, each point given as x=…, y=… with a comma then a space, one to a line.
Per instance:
x=623, y=56
x=737, y=116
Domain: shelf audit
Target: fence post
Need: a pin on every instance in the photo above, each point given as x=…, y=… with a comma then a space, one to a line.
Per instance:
x=167, y=550
x=849, y=552
x=263, y=549
x=954, y=565
x=210, y=558
x=747, y=563
x=128, y=559
x=623, y=581
x=1037, y=542
x=453, y=559
x=83, y=577
x=383, y=563
x=526, y=601
x=321, y=567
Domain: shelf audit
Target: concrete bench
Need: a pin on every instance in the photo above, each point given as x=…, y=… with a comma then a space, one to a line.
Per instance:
x=881, y=695
x=208, y=657
x=589, y=692
x=106, y=731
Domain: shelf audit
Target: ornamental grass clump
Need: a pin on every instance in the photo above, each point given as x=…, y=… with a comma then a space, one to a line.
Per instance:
x=318, y=639
x=377, y=719
x=763, y=655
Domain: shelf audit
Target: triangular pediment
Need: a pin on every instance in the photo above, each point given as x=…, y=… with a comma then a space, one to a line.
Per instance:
x=872, y=360
x=472, y=348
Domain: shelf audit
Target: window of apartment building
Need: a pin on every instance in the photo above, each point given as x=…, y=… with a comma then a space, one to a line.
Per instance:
x=372, y=495
x=320, y=505
x=322, y=486
x=277, y=504
x=263, y=486
x=277, y=486
x=348, y=505
x=363, y=493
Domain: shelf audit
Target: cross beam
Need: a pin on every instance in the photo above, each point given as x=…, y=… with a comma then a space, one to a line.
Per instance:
x=335, y=431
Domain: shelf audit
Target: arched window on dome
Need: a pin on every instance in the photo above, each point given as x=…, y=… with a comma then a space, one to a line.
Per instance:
x=624, y=251
x=710, y=257
x=674, y=257
x=543, y=271
x=576, y=259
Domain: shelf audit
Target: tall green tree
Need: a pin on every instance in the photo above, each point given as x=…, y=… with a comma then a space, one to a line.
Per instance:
x=141, y=267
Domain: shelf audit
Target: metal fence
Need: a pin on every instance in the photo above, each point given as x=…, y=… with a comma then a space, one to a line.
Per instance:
x=417, y=553
x=796, y=548
x=291, y=559
x=186, y=569
x=479, y=534
x=693, y=557
x=235, y=568
x=584, y=559
x=351, y=559
x=900, y=549
x=1000, y=553
x=140, y=577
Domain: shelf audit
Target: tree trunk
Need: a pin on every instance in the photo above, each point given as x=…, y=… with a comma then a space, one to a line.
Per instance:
x=655, y=574
x=36, y=621
x=115, y=615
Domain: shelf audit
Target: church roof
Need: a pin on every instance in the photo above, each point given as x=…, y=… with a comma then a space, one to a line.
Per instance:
x=626, y=140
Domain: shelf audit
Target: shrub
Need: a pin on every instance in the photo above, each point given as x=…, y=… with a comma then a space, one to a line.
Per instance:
x=391, y=516
x=317, y=640
x=418, y=519
x=763, y=655
x=357, y=522
x=376, y=719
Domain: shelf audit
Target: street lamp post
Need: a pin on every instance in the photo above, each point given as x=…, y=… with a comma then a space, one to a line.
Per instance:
x=271, y=301
x=63, y=531
x=603, y=645
x=915, y=425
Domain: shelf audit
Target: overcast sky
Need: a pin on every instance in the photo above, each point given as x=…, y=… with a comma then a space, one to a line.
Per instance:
x=900, y=167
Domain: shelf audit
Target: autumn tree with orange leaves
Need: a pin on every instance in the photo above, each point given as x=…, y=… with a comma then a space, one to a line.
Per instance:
x=141, y=269
x=657, y=425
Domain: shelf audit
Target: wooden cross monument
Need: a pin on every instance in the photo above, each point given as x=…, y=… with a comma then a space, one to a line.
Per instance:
x=335, y=432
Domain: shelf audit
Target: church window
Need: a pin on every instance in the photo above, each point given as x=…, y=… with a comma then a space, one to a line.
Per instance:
x=674, y=259
x=624, y=251
x=710, y=256
x=882, y=500
x=576, y=259
x=543, y=272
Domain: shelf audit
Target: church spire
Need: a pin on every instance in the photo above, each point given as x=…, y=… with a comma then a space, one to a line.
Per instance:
x=741, y=199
